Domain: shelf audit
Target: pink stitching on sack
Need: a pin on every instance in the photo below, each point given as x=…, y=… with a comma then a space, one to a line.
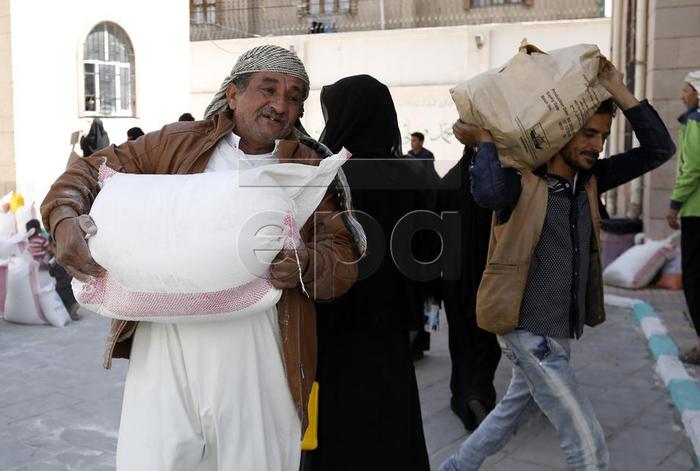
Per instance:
x=117, y=299
x=105, y=172
x=292, y=241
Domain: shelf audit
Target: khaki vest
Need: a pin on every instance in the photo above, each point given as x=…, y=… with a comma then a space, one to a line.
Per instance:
x=511, y=247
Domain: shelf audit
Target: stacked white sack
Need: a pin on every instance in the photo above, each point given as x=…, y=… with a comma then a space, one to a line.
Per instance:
x=52, y=306
x=27, y=295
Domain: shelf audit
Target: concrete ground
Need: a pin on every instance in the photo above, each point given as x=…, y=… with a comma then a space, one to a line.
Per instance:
x=614, y=366
x=59, y=410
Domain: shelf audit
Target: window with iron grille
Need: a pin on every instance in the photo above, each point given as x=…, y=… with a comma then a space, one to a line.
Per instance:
x=330, y=7
x=203, y=12
x=108, y=72
x=490, y=3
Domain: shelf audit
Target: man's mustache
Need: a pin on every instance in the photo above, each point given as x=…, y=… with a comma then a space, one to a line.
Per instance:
x=268, y=112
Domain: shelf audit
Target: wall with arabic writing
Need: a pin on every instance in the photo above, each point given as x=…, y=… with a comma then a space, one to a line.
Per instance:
x=418, y=65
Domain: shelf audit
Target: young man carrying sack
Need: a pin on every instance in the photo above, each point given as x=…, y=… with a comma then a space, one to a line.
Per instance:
x=542, y=280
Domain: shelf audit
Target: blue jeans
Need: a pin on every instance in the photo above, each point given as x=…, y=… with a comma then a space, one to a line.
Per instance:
x=542, y=378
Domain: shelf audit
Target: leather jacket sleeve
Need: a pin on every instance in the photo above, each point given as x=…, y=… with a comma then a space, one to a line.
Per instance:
x=332, y=269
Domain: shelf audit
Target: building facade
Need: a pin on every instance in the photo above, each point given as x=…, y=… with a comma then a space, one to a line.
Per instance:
x=125, y=62
x=418, y=65
x=225, y=19
x=7, y=142
x=659, y=41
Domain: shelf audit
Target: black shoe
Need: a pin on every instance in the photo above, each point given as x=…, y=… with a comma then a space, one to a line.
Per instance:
x=464, y=413
x=478, y=409
x=73, y=312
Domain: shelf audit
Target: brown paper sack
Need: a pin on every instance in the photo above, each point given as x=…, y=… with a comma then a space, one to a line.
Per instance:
x=535, y=103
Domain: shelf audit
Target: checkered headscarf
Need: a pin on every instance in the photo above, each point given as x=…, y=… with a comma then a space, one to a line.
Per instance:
x=259, y=59
x=278, y=59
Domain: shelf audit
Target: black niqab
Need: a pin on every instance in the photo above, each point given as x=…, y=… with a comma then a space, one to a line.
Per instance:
x=95, y=140
x=361, y=117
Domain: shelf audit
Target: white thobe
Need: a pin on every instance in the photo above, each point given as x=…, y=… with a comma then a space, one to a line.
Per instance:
x=210, y=396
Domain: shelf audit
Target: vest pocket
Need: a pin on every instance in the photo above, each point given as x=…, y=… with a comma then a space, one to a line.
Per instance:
x=494, y=267
x=498, y=299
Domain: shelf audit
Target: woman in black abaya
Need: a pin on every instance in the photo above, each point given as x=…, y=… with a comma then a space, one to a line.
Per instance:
x=369, y=411
x=474, y=352
x=96, y=139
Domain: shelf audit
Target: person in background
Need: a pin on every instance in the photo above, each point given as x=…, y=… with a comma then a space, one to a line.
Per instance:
x=134, y=133
x=420, y=339
x=685, y=204
x=186, y=117
x=96, y=139
x=369, y=410
x=474, y=352
x=64, y=284
x=417, y=150
x=41, y=247
x=38, y=246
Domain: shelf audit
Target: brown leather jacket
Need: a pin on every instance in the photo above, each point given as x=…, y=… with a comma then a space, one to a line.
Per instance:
x=184, y=148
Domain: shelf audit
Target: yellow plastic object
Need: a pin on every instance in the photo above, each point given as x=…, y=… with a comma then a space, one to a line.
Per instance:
x=310, y=440
x=16, y=202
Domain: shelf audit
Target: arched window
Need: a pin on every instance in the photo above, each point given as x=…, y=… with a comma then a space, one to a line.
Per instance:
x=108, y=66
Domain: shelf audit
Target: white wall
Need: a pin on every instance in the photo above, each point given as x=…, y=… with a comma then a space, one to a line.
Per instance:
x=47, y=38
x=174, y=75
x=418, y=65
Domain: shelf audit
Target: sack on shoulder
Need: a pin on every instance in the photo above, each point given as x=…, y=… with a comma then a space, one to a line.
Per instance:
x=535, y=103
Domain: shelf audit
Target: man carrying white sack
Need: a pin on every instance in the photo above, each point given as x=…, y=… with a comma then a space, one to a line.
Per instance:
x=542, y=280
x=226, y=394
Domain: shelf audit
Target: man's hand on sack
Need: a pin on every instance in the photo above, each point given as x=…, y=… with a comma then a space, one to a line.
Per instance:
x=672, y=219
x=285, y=272
x=613, y=81
x=469, y=134
x=72, y=251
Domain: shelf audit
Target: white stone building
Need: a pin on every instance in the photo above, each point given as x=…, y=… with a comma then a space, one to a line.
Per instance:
x=132, y=64
x=63, y=63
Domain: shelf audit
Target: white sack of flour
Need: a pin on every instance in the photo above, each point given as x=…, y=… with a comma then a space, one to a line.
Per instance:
x=22, y=300
x=10, y=245
x=195, y=247
x=50, y=302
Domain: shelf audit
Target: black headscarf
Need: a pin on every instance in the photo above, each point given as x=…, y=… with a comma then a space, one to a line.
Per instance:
x=95, y=140
x=361, y=117
x=385, y=187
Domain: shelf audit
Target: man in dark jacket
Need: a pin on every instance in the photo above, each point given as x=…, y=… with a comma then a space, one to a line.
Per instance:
x=474, y=352
x=417, y=150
